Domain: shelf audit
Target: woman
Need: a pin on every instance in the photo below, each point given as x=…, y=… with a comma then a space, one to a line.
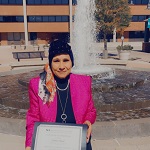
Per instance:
x=60, y=96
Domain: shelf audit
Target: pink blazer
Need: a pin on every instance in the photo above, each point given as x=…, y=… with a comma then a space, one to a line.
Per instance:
x=82, y=103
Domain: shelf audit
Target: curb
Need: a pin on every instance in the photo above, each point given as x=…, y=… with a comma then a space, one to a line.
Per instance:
x=101, y=130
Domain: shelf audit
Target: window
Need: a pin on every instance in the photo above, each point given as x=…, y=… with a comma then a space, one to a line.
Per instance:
x=57, y=1
x=65, y=19
x=135, y=18
x=136, y=34
x=139, y=18
x=12, y=1
x=19, y=19
x=45, y=19
x=58, y=18
x=139, y=2
x=142, y=18
x=1, y=19
x=74, y=2
x=37, y=2
x=10, y=36
x=65, y=1
x=51, y=18
x=51, y=2
x=38, y=19
x=4, y=2
x=17, y=36
x=44, y=1
x=19, y=1
x=30, y=1
x=12, y=19
x=33, y=35
x=31, y=18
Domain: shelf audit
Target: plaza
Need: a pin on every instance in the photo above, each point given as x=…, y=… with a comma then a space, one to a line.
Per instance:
x=123, y=103
x=115, y=134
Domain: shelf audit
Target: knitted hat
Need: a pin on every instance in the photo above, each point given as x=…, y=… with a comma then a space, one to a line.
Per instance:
x=59, y=47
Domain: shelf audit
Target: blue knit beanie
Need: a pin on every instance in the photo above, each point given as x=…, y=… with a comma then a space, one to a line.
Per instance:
x=59, y=47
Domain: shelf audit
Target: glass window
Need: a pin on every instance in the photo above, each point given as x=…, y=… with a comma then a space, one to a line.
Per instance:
x=10, y=36
x=38, y=19
x=22, y=36
x=12, y=1
x=65, y=18
x=31, y=18
x=135, y=18
x=45, y=18
x=19, y=1
x=51, y=18
x=58, y=18
x=57, y=1
x=37, y=2
x=33, y=35
x=51, y=2
x=142, y=18
x=44, y=1
x=65, y=1
x=17, y=36
x=4, y=1
x=19, y=19
x=74, y=2
x=1, y=19
x=138, y=2
x=145, y=2
x=30, y=2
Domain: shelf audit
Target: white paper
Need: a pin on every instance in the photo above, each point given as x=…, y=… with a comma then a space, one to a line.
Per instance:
x=58, y=137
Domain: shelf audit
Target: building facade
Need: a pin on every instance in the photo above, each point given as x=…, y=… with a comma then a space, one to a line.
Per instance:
x=43, y=20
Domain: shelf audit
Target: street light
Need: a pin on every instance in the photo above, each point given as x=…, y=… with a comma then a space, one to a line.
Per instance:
x=122, y=38
x=70, y=18
x=131, y=2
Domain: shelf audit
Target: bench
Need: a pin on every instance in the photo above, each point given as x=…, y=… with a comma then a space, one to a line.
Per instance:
x=28, y=55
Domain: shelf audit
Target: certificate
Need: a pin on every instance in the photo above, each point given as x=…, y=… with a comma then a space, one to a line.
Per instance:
x=58, y=136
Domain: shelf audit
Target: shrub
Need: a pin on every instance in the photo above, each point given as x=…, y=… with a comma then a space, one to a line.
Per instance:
x=124, y=47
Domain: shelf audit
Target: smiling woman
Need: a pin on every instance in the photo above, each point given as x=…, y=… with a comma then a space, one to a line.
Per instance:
x=60, y=96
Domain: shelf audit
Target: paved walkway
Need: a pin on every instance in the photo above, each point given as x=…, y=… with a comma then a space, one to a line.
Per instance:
x=12, y=139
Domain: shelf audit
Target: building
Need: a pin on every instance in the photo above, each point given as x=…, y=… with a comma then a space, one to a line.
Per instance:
x=43, y=20
x=140, y=12
x=38, y=19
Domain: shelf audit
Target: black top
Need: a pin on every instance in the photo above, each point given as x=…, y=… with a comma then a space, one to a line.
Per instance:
x=61, y=99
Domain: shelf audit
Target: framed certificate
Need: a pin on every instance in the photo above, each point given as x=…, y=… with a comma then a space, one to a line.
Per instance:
x=59, y=136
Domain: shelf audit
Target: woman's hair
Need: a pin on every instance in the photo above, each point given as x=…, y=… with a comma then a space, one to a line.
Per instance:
x=59, y=47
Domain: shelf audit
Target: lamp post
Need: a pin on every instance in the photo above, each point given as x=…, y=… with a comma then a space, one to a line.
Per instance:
x=146, y=43
x=70, y=20
x=122, y=38
x=25, y=22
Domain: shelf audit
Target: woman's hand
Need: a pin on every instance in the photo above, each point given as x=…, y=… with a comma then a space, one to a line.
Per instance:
x=28, y=148
x=89, y=130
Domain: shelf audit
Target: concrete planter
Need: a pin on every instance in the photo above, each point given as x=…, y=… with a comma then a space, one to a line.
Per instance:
x=124, y=55
x=46, y=51
x=13, y=46
x=23, y=47
x=36, y=47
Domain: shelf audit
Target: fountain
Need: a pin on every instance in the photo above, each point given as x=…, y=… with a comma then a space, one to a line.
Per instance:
x=124, y=97
x=84, y=39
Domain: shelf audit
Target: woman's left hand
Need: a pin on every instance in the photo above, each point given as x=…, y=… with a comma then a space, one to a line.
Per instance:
x=89, y=130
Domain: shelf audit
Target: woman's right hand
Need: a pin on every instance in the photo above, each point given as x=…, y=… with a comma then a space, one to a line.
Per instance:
x=28, y=148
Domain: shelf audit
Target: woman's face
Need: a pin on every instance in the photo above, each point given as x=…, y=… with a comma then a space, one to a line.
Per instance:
x=61, y=65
